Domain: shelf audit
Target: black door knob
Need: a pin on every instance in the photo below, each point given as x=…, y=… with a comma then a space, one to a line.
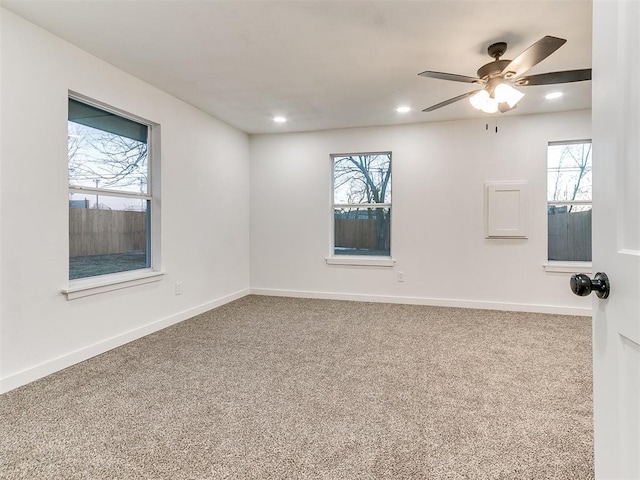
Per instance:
x=582, y=285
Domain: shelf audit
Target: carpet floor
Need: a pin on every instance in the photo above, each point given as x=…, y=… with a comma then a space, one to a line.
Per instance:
x=281, y=388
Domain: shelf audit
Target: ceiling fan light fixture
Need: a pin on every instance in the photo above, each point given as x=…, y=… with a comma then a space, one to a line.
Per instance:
x=479, y=99
x=505, y=93
x=490, y=106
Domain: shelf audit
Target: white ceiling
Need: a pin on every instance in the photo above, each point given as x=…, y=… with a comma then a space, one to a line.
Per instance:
x=322, y=64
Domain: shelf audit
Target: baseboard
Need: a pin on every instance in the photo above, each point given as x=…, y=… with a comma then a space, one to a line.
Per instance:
x=59, y=363
x=47, y=368
x=436, y=302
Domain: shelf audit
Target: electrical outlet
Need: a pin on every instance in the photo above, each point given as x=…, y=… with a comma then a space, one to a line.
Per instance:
x=401, y=276
x=178, y=288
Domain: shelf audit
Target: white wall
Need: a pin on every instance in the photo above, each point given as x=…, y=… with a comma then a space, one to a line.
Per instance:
x=214, y=225
x=205, y=209
x=439, y=172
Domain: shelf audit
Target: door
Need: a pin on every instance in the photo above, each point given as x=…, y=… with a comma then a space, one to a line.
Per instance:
x=616, y=237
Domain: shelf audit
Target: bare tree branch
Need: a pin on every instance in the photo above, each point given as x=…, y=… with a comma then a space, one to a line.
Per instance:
x=113, y=160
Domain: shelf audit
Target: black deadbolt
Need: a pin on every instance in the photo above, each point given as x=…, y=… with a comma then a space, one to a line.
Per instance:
x=582, y=285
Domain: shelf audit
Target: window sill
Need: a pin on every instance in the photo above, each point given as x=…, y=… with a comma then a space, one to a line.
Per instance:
x=363, y=261
x=568, y=267
x=108, y=283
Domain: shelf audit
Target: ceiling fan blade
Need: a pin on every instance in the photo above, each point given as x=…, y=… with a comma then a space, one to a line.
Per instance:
x=450, y=76
x=449, y=102
x=550, y=78
x=533, y=55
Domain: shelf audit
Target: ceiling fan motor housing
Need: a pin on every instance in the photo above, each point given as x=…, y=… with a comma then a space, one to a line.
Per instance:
x=492, y=69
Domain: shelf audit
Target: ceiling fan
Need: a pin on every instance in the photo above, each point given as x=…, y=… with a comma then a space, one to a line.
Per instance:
x=499, y=77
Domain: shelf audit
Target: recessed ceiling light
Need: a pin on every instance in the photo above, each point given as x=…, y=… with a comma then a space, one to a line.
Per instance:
x=552, y=95
x=279, y=119
x=403, y=109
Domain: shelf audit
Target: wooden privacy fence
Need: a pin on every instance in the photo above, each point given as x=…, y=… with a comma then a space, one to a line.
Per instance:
x=360, y=233
x=97, y=232
x=570, y=236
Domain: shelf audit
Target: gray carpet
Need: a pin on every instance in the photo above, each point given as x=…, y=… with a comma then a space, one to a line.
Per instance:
x=280, y=388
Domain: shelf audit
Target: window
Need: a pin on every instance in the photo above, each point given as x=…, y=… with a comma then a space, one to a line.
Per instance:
x=569, y=201
x=362, y=204
x=110, y=200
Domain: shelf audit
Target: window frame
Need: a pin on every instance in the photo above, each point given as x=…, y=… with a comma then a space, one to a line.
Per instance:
x=81, y=287
x=565, y=266
x=359, y=260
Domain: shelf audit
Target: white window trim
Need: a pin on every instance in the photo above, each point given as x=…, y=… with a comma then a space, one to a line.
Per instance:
x=561, y=203
x=107, y=283
x=553, y=266
x=108, y=192
x=567, y=267
x=357, y=260
x=84, y=287
x=361, y=260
